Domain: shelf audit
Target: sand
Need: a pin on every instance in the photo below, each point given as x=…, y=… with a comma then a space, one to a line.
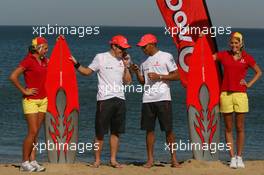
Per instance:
x=189, y=167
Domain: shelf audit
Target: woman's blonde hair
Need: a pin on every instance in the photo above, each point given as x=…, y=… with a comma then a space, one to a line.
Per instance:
x=239, y=37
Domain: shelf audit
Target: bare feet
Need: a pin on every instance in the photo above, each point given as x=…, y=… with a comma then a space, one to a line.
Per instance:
x=116, y=165
x=175, y=164
x=96, y=165
x=149, y=164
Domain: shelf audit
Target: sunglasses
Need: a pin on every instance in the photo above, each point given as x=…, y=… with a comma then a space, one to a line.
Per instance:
x=121, y=48
x=144, y=47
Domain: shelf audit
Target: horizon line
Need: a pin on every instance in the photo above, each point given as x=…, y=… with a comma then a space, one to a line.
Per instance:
x=129, y=26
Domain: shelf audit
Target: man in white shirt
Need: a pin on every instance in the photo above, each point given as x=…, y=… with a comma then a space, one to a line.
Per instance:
x=112, y=72
x=155, y=73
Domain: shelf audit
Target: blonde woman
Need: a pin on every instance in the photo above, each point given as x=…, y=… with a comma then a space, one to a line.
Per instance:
x=34, y=69
x=233, y=99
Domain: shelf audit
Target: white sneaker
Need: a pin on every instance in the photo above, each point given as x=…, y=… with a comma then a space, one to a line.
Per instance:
x=240, y=163
x=38, y=167
x=26, y=166
x=233, y=162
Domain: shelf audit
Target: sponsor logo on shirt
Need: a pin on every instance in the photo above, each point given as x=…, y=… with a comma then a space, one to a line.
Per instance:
x=146, y=69
x=109, y=67
x=156, y=64
x=242, y=60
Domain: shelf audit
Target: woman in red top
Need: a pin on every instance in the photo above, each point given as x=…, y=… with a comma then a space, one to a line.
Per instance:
x=233, y=97
x=34, y=69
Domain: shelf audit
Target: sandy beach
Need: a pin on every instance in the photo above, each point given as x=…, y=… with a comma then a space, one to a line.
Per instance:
x=187, y=167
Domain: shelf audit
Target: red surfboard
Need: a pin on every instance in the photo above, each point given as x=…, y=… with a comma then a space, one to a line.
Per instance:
x=61, y=123
x=203, y=102
x=198, y=72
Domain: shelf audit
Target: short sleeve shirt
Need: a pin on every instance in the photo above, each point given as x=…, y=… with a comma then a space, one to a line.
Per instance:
x=35, y=75
x=110, y=71
x=234, y=70
x=161, y=63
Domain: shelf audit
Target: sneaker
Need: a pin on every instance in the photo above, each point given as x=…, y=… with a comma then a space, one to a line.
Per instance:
x=240, y=163
x=38, y=167
x=233, y=162
x=26, y=166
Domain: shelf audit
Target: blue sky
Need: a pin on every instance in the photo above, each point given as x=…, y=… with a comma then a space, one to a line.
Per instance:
x=234, y=13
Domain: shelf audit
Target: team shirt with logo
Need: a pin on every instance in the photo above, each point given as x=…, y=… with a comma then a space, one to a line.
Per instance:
x=234, y=70
x=110, y=71
x=161, y=63
x=35, y=75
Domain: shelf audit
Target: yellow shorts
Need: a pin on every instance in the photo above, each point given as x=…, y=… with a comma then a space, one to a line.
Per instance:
x=34, y=105
x=233, y=102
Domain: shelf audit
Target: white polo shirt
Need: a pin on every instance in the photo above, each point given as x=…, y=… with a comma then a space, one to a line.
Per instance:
x=110, y=71
x=160, y=63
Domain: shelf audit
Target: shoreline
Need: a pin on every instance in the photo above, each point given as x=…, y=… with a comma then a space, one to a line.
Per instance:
x=187, y=167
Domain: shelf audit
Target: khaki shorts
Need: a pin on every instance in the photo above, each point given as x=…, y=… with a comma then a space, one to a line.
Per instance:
x=233, y=102
x=31, y=106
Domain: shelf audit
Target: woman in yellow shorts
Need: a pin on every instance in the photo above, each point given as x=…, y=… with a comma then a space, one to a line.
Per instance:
x=233, y=97
x=34, y=69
